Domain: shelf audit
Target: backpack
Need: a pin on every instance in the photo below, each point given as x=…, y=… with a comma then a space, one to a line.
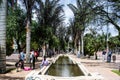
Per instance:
x=35, y=53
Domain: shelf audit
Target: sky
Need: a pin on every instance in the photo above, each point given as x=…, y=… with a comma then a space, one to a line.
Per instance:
x=69, y=14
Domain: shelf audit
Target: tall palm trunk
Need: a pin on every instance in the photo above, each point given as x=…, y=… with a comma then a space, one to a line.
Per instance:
x=82, y=45
x=3, y=8
x=75, y=43
x=28, y=4
x=79, y=46
x=28, y=37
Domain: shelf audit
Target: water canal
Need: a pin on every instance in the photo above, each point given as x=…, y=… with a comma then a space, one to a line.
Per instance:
x=64, y=67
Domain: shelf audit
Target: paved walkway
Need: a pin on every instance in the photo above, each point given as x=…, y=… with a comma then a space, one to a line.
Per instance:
x=101, y=67
x=94, y=66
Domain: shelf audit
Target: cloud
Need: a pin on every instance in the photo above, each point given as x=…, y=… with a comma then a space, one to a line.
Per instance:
x=68, y=13
x=112, y=30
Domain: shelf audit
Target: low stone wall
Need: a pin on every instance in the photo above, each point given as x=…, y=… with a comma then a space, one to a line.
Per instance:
x=40, y=75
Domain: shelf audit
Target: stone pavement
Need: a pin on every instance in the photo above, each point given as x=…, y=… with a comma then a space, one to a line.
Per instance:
x=101, y=67
x=94, y=66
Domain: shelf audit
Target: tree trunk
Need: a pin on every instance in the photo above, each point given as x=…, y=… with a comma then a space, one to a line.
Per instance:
x=44, y=50
x=82, y=43
x=79, y=47
x=3, y=8
x=96, y=56
x=19, y=48
x=28, y=36
x=75, y=43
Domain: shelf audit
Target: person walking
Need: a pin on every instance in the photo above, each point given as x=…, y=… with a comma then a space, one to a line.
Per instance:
x=103, y=55
x=18, y=66
x=109, y=56
x=22, y=58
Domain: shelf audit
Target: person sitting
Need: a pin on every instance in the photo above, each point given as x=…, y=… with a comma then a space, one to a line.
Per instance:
x=44, y=62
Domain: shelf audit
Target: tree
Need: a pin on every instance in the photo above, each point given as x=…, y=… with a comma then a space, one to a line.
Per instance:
x=83, y=14
x=11, y=3
x=29, y=7
x=49, y=15
x=89, y=47
x=61, y=34
x=114, y=15
x=94, y=42
x=110, y=13
x=72, y=31
x=114, y=42
x=3, y=10
x=15, y=28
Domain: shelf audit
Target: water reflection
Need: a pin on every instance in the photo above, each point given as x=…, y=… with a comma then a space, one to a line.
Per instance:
x=64, y=68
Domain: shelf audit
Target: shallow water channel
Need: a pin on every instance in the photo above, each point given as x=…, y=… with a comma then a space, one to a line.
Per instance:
x=64, y=67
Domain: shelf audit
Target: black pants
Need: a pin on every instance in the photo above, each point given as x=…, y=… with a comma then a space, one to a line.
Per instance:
x=22, y=64
x=32, y=63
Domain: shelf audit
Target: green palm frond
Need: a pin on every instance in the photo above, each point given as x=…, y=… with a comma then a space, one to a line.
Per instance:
x=73, y=8
x=49, y=12
x=79, y=3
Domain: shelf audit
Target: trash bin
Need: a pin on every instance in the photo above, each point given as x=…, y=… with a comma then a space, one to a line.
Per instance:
x=114, y=58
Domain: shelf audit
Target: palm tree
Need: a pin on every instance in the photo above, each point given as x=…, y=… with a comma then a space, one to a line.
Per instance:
x=3, y=8
x=49, y=19
x=62, y=37
x=49, y=13
x=74, y=33
x=83, y=13
x=29, y=7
